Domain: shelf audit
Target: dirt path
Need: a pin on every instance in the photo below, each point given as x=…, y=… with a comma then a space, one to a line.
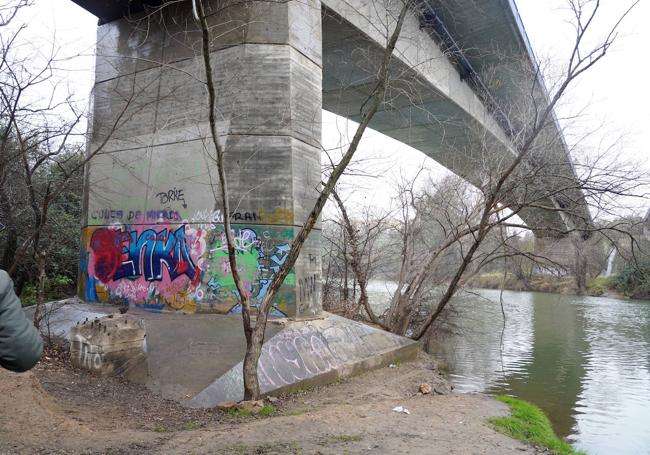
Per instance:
x=57, y=410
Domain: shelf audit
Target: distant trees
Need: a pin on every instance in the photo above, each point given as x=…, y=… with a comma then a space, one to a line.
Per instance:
x=42, y=157
x=450, y=234
x=40, y=164
x=355, y=251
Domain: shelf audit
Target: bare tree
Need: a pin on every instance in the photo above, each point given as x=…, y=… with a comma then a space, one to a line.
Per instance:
x=361, y=240
x=255, y=333
x=481, y=228
x=41, y=143
x=536, y=129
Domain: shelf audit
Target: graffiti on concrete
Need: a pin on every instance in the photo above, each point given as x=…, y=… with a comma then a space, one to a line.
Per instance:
x=214, y=217
x=307, y=286
x=298, y=354
x=175, y=195
x=87, y=358
x=260, y=254
x=119, y=254
x=307, y=350
x=184, y=266
x=149, y=265
x=135, y=216
x=172, y=195
x=291, y=359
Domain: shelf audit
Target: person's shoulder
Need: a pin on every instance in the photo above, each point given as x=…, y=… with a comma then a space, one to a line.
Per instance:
x=6, y=288
x=5, y=282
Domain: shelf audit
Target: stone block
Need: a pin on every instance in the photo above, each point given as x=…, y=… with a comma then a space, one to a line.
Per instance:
x=111, y=345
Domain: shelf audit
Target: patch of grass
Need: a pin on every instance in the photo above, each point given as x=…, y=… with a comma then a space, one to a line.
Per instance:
x=283, y=447
x=529, y=424
x=239, y=448
x=191, y=425
x=339, y=438
x=267, y=410
x=303, y=389
x=239, y=412
x=160, y=428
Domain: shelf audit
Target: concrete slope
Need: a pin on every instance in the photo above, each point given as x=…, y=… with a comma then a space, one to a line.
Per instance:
x=309, y=353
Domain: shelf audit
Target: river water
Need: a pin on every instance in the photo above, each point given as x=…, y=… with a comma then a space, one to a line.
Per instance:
x=584, y=360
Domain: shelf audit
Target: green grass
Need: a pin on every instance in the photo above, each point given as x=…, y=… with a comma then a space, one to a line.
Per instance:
x=191, y=425
x=238, y=412
x=339, y=438
x=303, y=389
x=600, y=285
x=267, y=410
x=529, y=424
x=160, y=428
x=282, y=447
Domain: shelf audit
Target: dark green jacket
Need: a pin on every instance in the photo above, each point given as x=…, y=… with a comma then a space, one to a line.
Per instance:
x=20, y=343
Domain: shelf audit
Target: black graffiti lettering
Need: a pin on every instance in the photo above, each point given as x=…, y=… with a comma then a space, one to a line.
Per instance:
x=107, y=214
x=244, y=216
x=172, y=195
x=308, y=286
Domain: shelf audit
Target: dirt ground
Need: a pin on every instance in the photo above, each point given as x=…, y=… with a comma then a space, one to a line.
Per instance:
x=56, y=409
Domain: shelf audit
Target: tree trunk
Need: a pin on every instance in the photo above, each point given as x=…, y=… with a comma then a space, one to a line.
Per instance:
x=251, y=383
x=255, y=339
x=40, y=298
x=11, y=233
x=580, y=266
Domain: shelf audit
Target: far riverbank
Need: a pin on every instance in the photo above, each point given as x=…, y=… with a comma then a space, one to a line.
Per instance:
x=598, y=287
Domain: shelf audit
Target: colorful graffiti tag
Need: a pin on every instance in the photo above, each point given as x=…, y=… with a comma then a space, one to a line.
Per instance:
x=259, y=259
x=184, y=267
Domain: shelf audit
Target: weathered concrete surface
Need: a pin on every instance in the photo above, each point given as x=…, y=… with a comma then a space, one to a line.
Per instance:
x=312, y=352
x=111, y=345
x=60, y=316
x=153, y=231
x=186, y=352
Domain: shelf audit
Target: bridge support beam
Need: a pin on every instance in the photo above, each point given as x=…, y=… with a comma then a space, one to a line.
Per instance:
x=153, y=223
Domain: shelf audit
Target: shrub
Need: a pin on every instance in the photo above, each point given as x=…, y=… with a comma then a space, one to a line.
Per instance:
x=634, y=280
x=56, y=288
x=600, y=285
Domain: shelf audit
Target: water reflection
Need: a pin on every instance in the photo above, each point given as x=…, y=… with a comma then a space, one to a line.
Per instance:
x=583, y=360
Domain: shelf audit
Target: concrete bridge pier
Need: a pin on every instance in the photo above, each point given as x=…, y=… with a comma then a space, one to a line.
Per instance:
x=153, y=224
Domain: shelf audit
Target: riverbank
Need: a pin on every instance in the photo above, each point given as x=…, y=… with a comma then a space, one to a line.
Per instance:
x=598, y=287
x=56, y=409
x=528, y=423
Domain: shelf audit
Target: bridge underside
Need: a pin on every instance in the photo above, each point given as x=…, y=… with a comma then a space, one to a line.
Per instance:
x=429, y=108
x=153, y=232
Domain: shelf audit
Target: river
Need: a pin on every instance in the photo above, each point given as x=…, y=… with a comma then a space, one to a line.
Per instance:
x=584, y=360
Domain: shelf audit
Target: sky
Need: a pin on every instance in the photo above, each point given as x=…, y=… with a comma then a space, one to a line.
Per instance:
x=613, y=99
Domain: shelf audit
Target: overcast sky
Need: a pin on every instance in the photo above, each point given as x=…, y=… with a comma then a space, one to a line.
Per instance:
x=613, y=98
